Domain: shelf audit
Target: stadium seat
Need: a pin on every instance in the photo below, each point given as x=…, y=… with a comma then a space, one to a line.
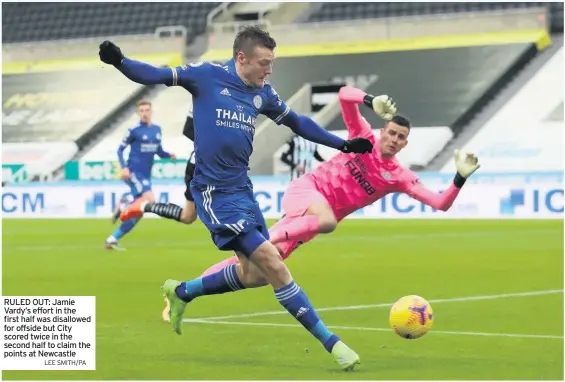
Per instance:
x=353, y=11
x=59, y=106
x=27, y=22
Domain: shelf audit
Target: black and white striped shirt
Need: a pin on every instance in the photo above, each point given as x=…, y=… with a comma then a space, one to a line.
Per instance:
x=299, y=156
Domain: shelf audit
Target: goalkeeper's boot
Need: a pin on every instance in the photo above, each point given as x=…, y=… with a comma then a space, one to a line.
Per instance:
x=177, y=304
x=344, y=356
x=133, y=210
x=113, y=244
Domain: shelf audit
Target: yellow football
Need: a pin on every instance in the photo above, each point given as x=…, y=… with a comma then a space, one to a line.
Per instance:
x=411, y=317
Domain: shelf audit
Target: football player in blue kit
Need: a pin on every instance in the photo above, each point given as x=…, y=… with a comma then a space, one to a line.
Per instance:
x=144, y=140
x=226, y=102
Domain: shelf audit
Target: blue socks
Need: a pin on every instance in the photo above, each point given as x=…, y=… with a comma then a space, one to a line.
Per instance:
x=124, y=228
x=291, y=297
x=296, y=302
x=220, y=282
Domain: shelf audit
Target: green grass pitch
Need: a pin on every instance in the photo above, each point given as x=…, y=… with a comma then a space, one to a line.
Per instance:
x=364, y=262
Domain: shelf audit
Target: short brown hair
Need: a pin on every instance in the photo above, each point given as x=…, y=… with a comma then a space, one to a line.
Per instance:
x=401, y=120
x=142, y=102
x=250, y=37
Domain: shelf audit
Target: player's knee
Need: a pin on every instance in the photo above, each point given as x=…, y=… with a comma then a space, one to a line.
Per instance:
x=276, y=267
x=267, y=257
x=328, y=223
x=148, y=197
x=187, y=217
x=252, y=278
x=326, y=219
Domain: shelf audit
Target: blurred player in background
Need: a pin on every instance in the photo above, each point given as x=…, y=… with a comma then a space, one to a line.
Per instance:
x=299, y=156
x=226, y=102
x=185, y=215
x=144, y=140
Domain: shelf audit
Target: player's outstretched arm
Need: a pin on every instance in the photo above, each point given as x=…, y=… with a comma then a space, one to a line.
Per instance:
x=120, y=153
x=307, y=128
x=466, y=164
x=164, y=154
x=128, y=139
x=136, y=71
x=350, y=97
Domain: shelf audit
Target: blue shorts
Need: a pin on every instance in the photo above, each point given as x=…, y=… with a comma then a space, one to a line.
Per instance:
x=138, y=184
x=233, y=217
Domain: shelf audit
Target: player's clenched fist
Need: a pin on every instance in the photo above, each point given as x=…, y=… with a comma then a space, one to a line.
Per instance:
x=357, y=146
x=384, y=106
x=110, y=53
x=466, y=163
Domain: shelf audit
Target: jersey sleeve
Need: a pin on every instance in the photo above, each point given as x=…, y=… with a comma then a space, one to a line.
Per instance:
x=126, y=141
x=413, y=187
x=192, y=77
x=275, y=109
x=357, y=125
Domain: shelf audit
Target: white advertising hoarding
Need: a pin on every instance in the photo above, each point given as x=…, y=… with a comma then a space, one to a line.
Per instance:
x=528, y=201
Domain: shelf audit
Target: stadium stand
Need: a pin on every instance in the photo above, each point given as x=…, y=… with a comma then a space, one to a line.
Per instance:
x=434, y=101
x=25, y=22
x=526, y=133
x=47, y=115
x=352, y=11
x=55, y=90
x=455, y=79
x=59, y=106
x=454, y=85
x=170, y=109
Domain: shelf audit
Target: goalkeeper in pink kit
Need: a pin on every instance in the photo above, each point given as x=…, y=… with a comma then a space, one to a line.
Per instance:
x=316, y=202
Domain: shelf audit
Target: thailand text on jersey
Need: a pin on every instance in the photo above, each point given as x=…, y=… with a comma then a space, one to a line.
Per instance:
x=144, y=142
x=224, y=111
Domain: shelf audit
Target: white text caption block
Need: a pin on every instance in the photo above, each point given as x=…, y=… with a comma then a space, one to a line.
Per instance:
x=49, y=333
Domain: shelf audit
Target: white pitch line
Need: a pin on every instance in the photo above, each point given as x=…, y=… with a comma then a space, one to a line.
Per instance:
x=201, y=321
x=384, y=305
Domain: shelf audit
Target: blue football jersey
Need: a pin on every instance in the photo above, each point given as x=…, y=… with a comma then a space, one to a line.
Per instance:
x=225, y=110
x=145, y=142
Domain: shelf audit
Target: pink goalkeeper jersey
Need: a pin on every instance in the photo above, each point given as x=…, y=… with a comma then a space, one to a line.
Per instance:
x=353, y=181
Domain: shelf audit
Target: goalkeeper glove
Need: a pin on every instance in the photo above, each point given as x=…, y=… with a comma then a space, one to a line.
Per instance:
x=357, y=146
x=383, y=105
x=110, y=53
x=466, y=164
